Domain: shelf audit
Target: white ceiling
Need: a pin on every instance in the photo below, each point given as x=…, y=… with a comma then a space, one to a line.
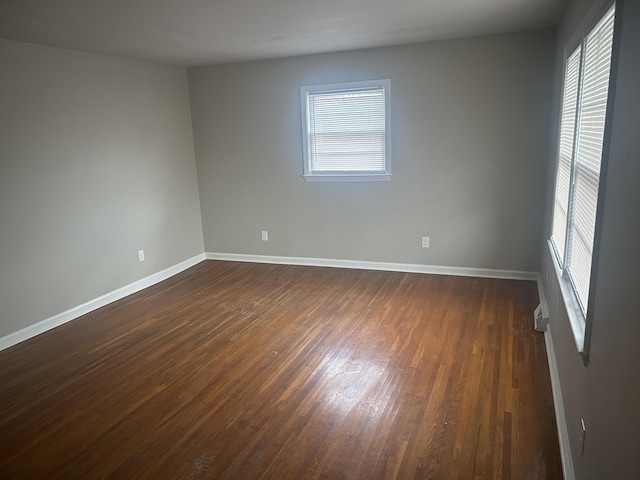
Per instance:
x=201, y=32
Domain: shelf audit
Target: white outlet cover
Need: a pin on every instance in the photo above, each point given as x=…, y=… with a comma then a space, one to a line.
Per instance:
x=425, y=242
x=265, y=235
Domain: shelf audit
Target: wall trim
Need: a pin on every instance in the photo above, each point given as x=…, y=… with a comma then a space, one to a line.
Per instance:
x=75, y=312
x=561, y=420
x=558, y=403
x=384, y=266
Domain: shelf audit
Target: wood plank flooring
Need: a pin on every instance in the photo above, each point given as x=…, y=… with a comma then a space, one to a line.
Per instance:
x=249, y=371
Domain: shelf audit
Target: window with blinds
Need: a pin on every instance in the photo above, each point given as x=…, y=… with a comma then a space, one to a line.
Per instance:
x=345, y=131
x=582, y=124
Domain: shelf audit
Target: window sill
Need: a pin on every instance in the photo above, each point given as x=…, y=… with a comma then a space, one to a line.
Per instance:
x=378, y=177
x=574, y=312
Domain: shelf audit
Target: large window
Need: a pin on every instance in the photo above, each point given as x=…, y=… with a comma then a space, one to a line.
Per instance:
x=345, y=131
x=582, y=126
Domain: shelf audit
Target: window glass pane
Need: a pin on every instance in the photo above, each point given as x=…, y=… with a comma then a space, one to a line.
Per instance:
x=346, y=129
x=565, y=152
x=588, y=154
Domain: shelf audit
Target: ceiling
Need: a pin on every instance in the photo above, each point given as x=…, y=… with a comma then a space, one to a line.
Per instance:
x=202, y=32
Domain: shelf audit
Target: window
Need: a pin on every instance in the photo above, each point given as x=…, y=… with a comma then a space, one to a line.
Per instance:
x=582, y=126
x=346, y=131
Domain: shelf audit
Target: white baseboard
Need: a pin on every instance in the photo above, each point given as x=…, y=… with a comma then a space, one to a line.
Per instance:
x=384, y=266
x=558, y=404
x=75, y=312
x=561, y=420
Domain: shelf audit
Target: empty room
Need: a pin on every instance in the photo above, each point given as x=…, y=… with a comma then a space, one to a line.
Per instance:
x=319, y=240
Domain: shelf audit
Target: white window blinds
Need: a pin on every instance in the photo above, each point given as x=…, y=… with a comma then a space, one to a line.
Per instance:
x=580, y=154
x=346, y=129
x=565, y=153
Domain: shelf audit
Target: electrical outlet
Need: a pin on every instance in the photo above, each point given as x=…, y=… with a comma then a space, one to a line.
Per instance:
x=141, y=255
x=583, y=434
x=425, y=242
x=265, y=236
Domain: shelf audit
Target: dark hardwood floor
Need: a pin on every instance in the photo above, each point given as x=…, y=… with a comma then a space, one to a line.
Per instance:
x=248, y=371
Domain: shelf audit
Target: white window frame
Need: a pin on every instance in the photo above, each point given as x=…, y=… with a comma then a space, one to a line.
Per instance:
x=579, y=312
x=345, y=175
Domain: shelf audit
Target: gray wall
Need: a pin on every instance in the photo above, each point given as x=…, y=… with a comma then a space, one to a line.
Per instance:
x=606, y=391
x=469, y=154
x=96, y=162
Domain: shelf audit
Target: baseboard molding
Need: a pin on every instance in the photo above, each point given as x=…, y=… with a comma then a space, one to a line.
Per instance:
x=558, y=404
x=75, y=312
x=362, y=265
x=561, y=420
